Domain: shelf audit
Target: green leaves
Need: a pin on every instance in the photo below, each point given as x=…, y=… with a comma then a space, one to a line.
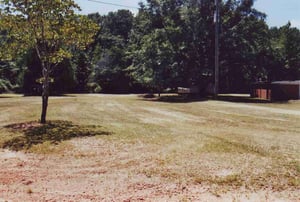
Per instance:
x=51, y=27
x=155, y=44
x=109, y=52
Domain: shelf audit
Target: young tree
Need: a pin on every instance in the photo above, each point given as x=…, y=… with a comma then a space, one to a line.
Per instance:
x=52, y=28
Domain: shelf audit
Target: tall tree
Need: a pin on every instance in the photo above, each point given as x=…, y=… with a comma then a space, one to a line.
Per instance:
x=156, y=42
x=112, y=41
x=198, y=43
x=11, y=76
x=5, y=83
x=52, y=28
x=82, y=72
x=244, y=39
x=32, y=74
x=292, y=51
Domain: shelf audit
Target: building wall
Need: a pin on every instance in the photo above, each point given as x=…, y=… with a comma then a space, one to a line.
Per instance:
x=262, y=93
x=281, y=90
x=285, y=91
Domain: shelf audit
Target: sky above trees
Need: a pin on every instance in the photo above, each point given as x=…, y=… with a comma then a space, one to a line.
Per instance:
x=279, y=11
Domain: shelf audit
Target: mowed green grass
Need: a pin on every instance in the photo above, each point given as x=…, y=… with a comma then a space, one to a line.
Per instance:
x=218, y=143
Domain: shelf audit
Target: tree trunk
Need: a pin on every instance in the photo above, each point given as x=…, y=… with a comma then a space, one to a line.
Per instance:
x=159, y=91
x=44, y=108
x=45, y=94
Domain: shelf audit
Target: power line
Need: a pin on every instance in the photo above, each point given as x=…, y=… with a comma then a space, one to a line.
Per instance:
x=113, y=4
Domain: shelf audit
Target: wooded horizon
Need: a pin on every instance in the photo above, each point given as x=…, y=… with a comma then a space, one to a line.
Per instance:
x=167, y=45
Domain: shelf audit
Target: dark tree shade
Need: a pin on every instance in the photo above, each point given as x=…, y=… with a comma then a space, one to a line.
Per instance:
x=82, y=73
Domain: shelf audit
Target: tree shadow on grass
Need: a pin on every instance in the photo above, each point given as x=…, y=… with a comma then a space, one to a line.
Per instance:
x=188, y=98
x=174, y=98
x=5, y=96
x=244, y=98
x=34, y=133
x=241, y=99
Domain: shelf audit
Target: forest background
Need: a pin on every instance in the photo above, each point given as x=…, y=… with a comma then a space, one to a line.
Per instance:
x=167, y=44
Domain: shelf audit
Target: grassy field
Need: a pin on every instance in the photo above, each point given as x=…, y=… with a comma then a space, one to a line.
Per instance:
x=157, y=150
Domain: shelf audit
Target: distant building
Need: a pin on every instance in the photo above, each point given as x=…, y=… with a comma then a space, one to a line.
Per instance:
x=277, y=90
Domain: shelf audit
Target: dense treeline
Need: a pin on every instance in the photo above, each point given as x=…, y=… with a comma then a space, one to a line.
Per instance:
x=169, y=43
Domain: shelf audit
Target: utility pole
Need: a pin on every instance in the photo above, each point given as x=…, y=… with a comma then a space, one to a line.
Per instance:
x=217, y=28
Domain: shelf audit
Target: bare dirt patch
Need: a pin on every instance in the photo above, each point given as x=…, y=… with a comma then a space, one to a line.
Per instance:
x=96, y=170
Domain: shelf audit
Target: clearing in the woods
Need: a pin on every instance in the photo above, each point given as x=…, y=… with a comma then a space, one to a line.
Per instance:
x=128, y=148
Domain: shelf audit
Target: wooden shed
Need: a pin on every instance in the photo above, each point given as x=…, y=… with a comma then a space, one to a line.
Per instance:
x=261, y=90
x=285, y=90
x=277, y=90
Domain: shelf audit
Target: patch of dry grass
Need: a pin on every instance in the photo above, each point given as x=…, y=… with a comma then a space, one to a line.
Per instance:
x=211, y=142
x=222, y=145
x=48, y=147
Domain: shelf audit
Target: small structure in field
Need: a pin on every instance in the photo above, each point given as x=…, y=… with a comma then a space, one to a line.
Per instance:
x=277, y=90
x=192, y=90
x=261, y=90
x=188, y=92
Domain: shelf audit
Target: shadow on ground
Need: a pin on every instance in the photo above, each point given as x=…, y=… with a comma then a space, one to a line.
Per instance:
x=5, y=97
x=174, y=98
x=33, y=133
x=51, y=96
x=241, y=99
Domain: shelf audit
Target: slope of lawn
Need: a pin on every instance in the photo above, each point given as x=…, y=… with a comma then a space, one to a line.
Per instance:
x=126, y=147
